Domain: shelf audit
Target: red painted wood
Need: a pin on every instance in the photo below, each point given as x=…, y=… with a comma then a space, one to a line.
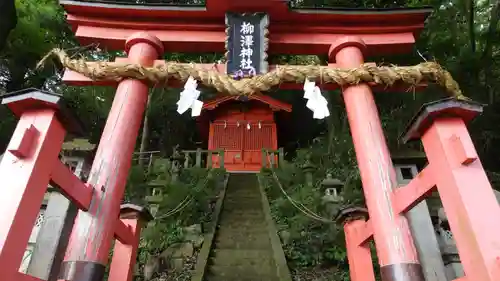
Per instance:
x=124, y=254
x=414, y=192
x=124, y=233
x=94, y=231
x=393, y=241
x=272, y=103
x=22, y=144
x=214, y=41
x=24, y=182
x=196, y=25
x=297, y=31
x=215, y=10
x=71, y=186
x=228, y=136
x=467, y=196
x=242, y=146
x=358, y=255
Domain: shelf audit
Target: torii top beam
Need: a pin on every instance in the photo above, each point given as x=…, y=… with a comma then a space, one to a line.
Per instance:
x=201, y=29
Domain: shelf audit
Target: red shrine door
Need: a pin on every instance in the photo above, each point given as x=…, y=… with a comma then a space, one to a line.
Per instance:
x=242, y=142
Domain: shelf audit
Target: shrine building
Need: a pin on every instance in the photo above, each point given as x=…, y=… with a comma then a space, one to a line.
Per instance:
x=242, y=126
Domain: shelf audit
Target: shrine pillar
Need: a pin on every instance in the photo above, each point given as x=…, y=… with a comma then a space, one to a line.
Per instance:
x=93, y=232
x=395, y=249
x=466, y=194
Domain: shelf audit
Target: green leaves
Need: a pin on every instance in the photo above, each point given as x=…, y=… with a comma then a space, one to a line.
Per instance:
x=185, y=202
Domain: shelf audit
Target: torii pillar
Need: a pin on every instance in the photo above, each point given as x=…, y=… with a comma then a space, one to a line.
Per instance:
x=90, y=242
x=394, y=243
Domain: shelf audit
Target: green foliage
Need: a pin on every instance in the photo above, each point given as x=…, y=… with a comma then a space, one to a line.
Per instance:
x=8, y=20
x=313, y=243
x=315, y=248
x=41, y=26
x=195, y=192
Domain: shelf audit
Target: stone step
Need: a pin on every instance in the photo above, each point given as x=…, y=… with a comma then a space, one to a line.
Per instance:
x=236, y=255
x=239, y=260
x=242, y=226
x=242, y=249
x=241, y=212
x=242, y=201
x=242, y=198
x=234, y=215
x=244, y=207
x=211, y=277
x=247, y=190
x=243, y=189
x=242, y=234
x=242, y=222
x=251, y=242
x=235, y=220
x=242, y=230
x=236, y=271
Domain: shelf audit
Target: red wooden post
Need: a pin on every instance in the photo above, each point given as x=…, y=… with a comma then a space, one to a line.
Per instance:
x=90, y=242
x=357, y=234
x=26, y=169
x=125, y=250
x=394, y=244
x=463, y=186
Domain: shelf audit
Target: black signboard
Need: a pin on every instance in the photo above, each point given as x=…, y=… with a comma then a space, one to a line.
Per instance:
x=246, y=45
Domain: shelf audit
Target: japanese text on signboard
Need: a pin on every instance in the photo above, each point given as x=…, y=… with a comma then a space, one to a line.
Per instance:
x=246, y=52
x=246, y=44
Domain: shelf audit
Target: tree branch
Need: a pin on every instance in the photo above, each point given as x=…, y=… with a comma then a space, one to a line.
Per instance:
x=472, y=32
x=494, y=17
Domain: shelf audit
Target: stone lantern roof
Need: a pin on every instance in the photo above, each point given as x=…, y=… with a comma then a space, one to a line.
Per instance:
x=78, y=147
x=78, y=144
x=404, y=155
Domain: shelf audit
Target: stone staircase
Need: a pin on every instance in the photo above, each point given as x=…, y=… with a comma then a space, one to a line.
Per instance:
x=242, y=247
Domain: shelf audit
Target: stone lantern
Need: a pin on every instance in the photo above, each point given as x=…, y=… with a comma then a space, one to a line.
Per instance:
x=176, y=163
x=332, y=200
x=308, y=169
x=449, y=251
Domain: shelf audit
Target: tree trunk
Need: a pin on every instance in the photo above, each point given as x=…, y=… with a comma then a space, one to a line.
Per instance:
x=8, y=20
x=145, y=134
x=331, y=121
x=472, y=32
x=488, y=48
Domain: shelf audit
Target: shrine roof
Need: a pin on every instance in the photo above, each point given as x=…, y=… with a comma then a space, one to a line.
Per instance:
x=216, y=9
x=201, y=29
x=273, y=103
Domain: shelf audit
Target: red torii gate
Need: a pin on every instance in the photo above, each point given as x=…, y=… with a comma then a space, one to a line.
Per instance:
x=346, y=36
